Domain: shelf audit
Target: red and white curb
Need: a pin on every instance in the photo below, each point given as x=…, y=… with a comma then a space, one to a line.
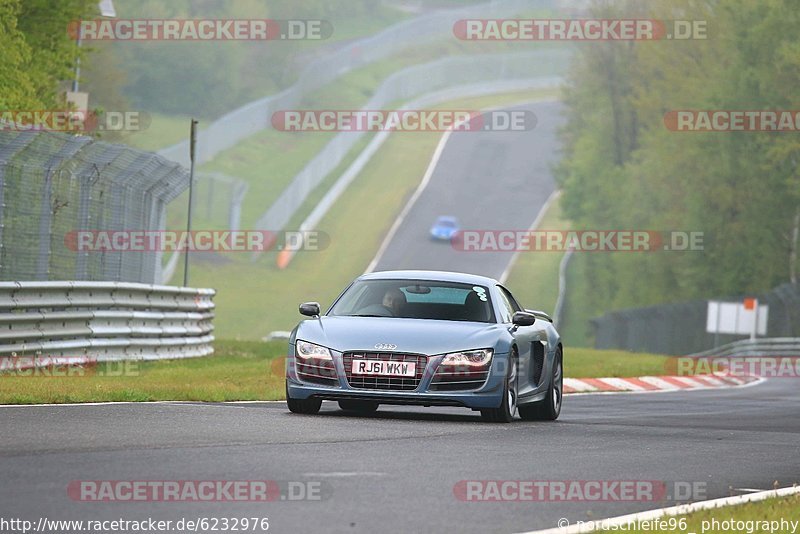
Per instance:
x=656, y=383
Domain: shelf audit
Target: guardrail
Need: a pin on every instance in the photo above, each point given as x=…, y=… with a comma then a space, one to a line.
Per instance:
x=105, y=320
x=776, y=346
x=253, y=117
x=430, y=99
x=411, y=82
x=558, y=315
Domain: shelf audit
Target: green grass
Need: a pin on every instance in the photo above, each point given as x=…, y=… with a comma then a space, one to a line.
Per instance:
x=787, y=508
x=240, y=370
x=379, y=17
x=166, y=130
x=534, y=277
x=267, y=161
x=591, y=363
x=256, y=298
x=576, y=328
x=473, y=103
x=534, y=281
x=163, y=131
x=270, y=159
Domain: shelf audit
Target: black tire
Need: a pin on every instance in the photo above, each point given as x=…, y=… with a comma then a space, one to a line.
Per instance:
x=308, y=406
x=359, y=406
x=505, y=412
x=549, y=408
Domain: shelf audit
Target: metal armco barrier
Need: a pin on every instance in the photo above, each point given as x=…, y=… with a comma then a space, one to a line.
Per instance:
x=254, y=116
x=411, y=82
x=105, y=320
x=776, y=346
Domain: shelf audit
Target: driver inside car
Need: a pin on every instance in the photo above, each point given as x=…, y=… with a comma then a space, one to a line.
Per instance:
x=394, y=300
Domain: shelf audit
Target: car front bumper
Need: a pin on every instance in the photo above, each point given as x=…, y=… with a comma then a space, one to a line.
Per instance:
x=489, y=395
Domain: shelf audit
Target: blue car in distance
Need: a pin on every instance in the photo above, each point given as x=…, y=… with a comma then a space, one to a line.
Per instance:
x=444, y=228
x=426, y=338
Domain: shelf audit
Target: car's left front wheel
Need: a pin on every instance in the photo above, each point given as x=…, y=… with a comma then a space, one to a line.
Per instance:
x=305, y=406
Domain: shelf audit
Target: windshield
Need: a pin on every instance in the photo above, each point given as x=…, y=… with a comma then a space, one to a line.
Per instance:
x=415, y=299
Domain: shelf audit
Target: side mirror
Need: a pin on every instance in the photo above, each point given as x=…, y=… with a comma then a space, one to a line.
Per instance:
x=522, y=318
x=311, y=309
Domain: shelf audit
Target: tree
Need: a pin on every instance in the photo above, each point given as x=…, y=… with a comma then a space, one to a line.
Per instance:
x=17, y=89
x=624, y=169
x=38, y=52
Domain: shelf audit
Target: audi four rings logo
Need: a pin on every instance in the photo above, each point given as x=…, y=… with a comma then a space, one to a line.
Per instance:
x=385, y=346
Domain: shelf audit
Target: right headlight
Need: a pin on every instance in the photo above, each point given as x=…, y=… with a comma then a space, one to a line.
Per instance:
x=470, y=358
x=304, y=349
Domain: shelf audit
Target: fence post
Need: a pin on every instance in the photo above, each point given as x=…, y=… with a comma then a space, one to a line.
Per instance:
x=2, y=222
x=45, y=230
x=84, y=224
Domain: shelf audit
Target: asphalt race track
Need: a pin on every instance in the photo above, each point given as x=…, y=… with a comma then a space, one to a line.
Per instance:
x=490, y=181
x=395, y=471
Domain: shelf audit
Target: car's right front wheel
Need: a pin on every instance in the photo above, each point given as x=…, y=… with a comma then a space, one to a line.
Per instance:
x=306, y=406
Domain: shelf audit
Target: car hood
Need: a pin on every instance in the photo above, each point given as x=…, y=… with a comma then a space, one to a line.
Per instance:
x=422, y=336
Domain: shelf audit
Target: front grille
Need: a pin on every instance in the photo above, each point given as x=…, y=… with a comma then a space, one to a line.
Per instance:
x=397, y=383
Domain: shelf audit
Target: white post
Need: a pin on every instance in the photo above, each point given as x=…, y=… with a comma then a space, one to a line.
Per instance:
x=755, y=323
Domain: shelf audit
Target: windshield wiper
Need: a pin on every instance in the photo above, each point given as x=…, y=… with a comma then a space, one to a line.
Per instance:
x=366, y=315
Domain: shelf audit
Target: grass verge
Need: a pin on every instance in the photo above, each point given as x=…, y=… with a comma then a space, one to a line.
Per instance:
x=576, y=328
x=240, y=370
x=752, y=516
x=161, y=132
x=270, y=159
x=256, y=298
x=534, y=281
x=534, y=278
x=581, y=362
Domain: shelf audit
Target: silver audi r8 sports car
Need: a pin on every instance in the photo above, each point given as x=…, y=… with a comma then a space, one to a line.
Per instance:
x=426, y=338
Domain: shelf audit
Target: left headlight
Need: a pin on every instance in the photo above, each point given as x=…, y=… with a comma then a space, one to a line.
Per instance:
x=471, y=358
x=305, y=349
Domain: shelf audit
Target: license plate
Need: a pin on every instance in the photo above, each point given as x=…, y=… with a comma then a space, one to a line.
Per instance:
x=382, y=368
